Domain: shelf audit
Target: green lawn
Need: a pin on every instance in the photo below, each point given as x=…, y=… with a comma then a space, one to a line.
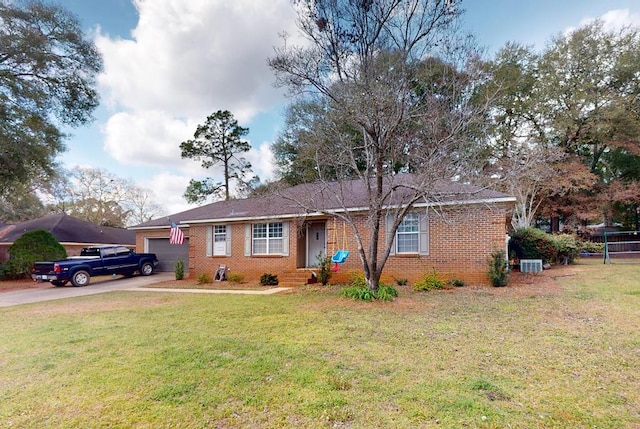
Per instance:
x=564, y=357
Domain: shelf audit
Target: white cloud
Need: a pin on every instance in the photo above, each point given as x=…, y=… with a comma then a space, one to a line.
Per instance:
x=616, y=19
x=191, y=58
x=186, y=60
x=262, y=161
x=612, y=20
x=168, y=190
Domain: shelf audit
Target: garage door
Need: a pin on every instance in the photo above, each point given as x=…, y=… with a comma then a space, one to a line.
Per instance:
x=168, y=253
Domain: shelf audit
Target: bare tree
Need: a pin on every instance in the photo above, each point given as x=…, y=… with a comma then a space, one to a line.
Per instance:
x=103, y=198
x=395, y=79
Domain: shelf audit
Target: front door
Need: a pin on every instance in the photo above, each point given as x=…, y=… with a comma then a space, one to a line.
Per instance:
x=316, y=243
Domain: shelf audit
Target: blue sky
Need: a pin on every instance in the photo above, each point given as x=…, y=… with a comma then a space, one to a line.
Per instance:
x=170, y=63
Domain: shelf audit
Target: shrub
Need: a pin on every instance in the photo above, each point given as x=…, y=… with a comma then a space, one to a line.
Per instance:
x=32, y=246
x=533, y=243
x=358, y=289
x=386, y=293
x=357, y=279
x=204, y=278
x=324, y=263
x=567, y=248
x=457, y=283
x=591, y=247
x=429, y=281
x=498, y=269
x=235, y=277
x=268, y=280
x=401, y=281
x=358, y=292
x=179, y=269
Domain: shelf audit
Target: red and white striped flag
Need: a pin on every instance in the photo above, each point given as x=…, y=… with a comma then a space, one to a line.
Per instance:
x=176, y=236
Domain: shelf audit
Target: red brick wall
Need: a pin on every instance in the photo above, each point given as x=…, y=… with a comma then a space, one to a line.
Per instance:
x=252, y=268
x=460, y=243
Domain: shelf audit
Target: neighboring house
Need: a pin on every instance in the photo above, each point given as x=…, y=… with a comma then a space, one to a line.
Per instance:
x=274, y=234
x=71, y=232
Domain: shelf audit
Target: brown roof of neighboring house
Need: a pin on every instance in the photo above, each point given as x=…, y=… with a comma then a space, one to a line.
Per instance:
x=68, y=229
x=327, y=197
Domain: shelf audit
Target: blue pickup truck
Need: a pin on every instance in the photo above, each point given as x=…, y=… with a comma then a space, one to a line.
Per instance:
x=95, y=261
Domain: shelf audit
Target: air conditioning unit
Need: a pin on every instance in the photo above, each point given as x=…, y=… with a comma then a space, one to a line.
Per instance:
x=530, y=265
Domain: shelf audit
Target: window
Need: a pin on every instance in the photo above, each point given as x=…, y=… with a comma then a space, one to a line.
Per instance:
x=408, y=234
x=220, y=233
x=267, y=238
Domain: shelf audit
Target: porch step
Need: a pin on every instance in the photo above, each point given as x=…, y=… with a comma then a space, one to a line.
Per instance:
x=293, y=278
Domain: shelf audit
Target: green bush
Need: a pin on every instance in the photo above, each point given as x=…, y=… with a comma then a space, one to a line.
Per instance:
x=363, y=293
x=567, y=248
x=386, y=293
x=591, y=247
x=179, y=269
x=429, y=281
x=357, y=279
x=358, y=293
x=268, y=280
x=533, y=243
x=204, y=278
x=457, y=283
x=401, y=281
x=32, y=246
x=498, y=269
x=324, y=263
x=359, y=290
x=235, y=277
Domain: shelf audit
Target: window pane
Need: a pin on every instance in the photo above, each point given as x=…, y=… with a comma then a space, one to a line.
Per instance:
x=260, y=230
x=275, y=246
x=409, y=223
x=260, y=246
x=407, y=243
x=220, y=229
x=275, y=229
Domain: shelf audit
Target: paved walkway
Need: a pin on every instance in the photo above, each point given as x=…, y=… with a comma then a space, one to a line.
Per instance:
x=107, y=284
x=233, y=291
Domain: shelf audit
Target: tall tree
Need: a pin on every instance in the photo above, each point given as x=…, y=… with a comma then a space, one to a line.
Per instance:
x=47, y=78
x=361, y=63
x=580, y=95
x=217, y=142
x=590, y=79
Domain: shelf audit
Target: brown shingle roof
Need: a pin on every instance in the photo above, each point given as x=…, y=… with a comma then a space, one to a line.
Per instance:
x=334, y=196
x=68, y=229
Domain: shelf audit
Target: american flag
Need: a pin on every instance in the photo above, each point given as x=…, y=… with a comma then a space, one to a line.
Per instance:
x=176, y=236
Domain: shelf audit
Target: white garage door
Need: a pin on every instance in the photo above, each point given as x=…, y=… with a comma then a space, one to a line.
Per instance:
x=168, y=253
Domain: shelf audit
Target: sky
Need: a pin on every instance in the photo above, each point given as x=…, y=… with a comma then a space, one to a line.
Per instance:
x=168, y=64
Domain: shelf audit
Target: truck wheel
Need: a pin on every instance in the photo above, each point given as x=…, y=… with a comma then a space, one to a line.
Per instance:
x=146, y=269
x=58, y=282
x=80, y=278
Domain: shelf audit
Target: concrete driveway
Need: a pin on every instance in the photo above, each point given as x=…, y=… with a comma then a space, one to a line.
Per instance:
x=98, y=285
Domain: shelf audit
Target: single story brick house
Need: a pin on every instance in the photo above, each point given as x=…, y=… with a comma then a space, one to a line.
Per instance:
x=453, y=231
x=71, y=232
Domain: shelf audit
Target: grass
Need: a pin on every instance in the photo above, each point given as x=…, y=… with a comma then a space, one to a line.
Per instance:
x=562, y=357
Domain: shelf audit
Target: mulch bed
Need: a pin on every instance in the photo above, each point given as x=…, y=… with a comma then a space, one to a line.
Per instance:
x=520, y=284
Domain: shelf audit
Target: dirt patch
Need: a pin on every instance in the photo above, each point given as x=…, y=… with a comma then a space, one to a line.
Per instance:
x=13, y=285
x=532, y=284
